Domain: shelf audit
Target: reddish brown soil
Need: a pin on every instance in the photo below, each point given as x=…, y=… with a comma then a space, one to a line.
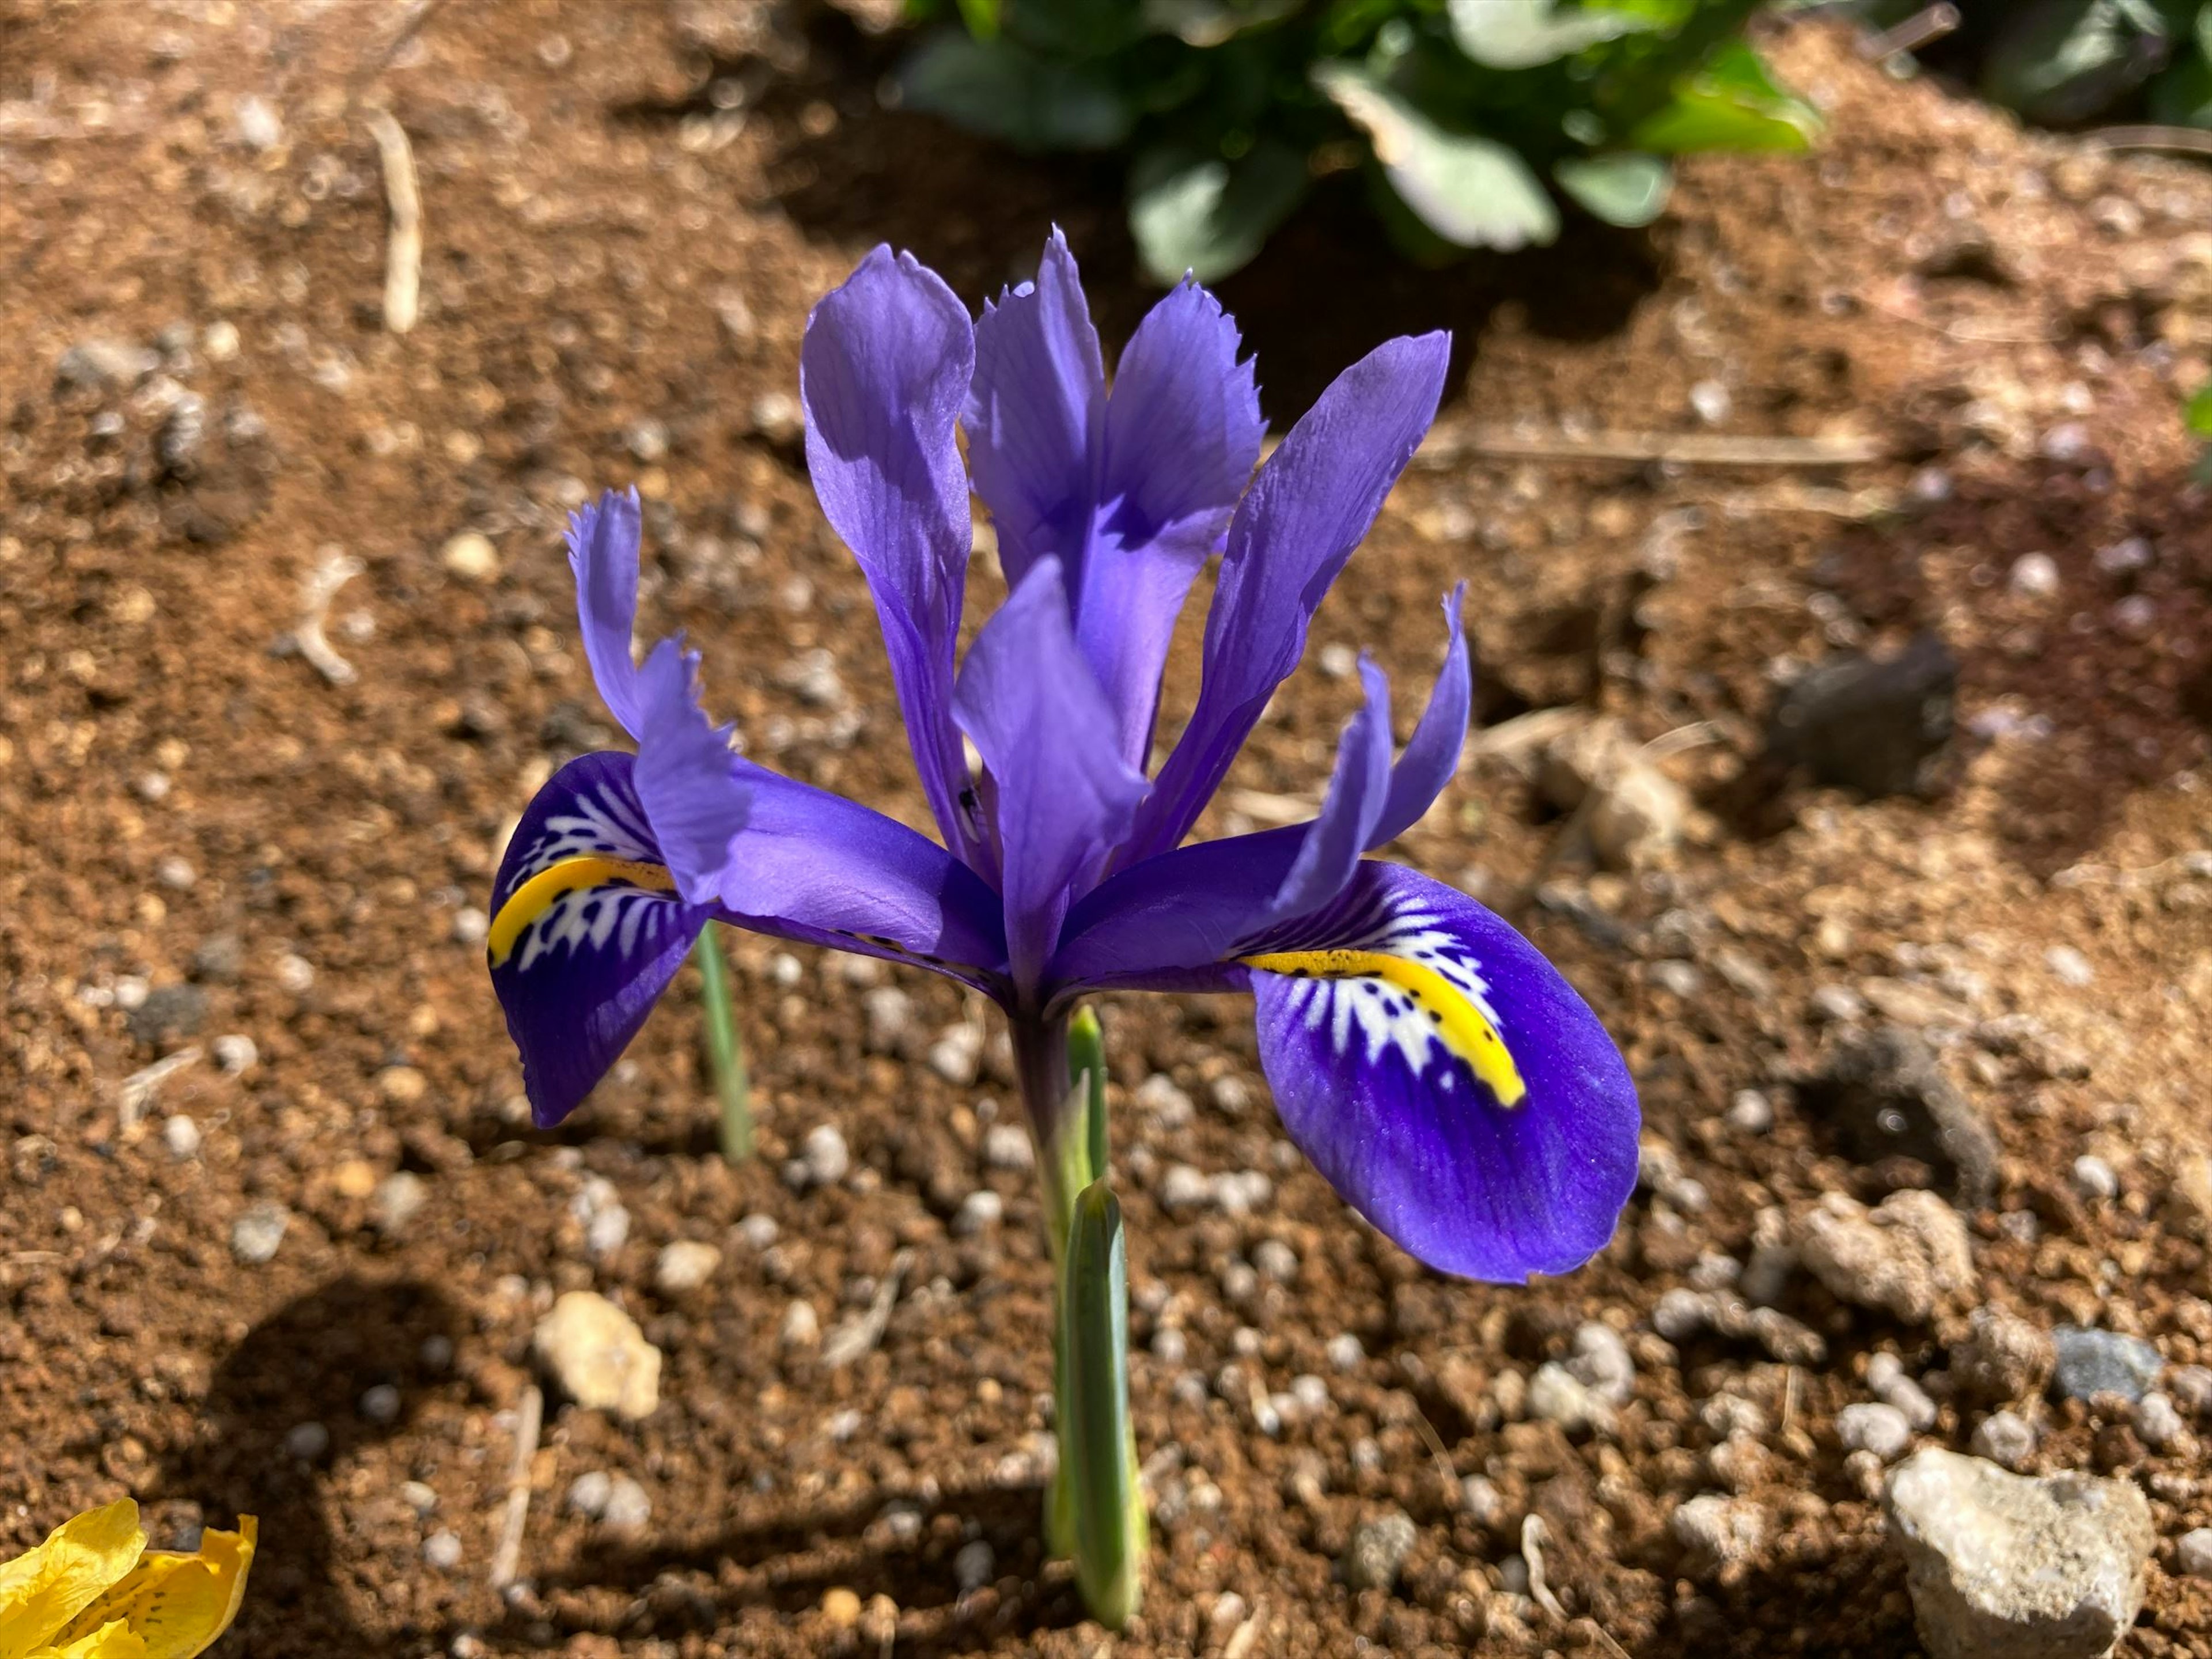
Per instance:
x=604, y=249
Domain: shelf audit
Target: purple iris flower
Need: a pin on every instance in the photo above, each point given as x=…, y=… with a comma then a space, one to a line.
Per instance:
x=1441, y=1074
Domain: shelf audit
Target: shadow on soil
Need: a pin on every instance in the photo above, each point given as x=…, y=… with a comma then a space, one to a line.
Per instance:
x=1317, y=298
x=783, y=1565
x=310, y=1361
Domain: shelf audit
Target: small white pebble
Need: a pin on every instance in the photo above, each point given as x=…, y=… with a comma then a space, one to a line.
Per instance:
x=980, y=1212
x=2034, y=576
x=759, y=1231
x=1007, y=1146
x=381, y=1403
x=470, y=926
x=2005, y=1438
x=2095, y=1179
x=973, y=1566
x=470, y=557
x=441, y=1551
x=1871, y=1427
x=628, y=1509
x=307, y=1441
x=176, y=873
x=1750, y=1112
x=1710, y=399
x=235, y=1052
x=418, y=1497
x=587, y=1493
x=294, y=974
x=1275, y=1260
x=2192, y=1553
x=825, y=1155
x=1346, y=1351
x=2069, y=964
x=181, y=1136
x=2157, y=1423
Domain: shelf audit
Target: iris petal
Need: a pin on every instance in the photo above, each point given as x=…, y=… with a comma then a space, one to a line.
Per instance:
x=587, y=930
x=1432, y=755
x=603, y=554
x=1045, y=731
x=1446, y=1079
x=1296, y=527
x=883, y=374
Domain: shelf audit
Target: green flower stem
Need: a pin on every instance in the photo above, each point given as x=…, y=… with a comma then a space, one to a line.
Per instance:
x=1094, y=1512
x=726, y=1055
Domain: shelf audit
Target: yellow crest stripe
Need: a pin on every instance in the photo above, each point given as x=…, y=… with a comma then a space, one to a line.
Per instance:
x=1463, y=1027
x=530, y=901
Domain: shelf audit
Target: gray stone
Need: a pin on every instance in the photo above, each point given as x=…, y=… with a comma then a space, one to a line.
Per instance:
x=2094, y=1362
x=398, y=1200
x=1377, y=1552
x=1882, y=1095
x=1908, y=1256
x=974, y=1565
x=1878, y=727
x=308, y=1442
x=175, y=1011
x=628, y=1510
x=2005, y=1566
x=381, y=1403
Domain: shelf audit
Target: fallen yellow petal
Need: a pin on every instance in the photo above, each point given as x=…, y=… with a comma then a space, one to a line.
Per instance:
x=176, y=1603
x=41, y=1593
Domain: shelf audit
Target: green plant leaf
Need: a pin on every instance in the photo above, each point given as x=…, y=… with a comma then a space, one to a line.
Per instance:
x=1731, y=104
x=1516, y=34
x=1097, y=1445
x=2181, y=97
x=982, y=17
x=1004, y=91
x=1628, y=189
x=2067, y=60
x=1190, y=210
x=2197, y=411
x=1471, y=190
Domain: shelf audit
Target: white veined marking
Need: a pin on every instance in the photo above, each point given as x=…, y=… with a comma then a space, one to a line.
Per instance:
x=604, y=822
x=586, y=918
x=1381, y=1015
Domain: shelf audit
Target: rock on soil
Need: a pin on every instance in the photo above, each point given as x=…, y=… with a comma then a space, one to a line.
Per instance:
x=598, y=1355
x=2003, y=1566
x=1909, y=1256
x=1878, y=727
x=2093, y=1362
x=1377, y=1552
x=1882, y=1096
x=2004, y=1357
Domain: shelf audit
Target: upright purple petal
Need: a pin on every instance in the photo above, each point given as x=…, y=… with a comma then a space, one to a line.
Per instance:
x=1308, y=509
x=1446, y=1079
x=1130, y=493
x=587, y=930
x=1035, y=417
x=1183, y=433
x=684, y=778
x=1431, y=758
x=1343, y=829
x=883, y=374
x=1065, y=797
x=603, y=554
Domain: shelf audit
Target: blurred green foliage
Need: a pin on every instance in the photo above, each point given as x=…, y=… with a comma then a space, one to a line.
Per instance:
x=1465, y=115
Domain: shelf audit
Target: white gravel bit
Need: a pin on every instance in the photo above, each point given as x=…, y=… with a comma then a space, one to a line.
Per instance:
x=979, y=1212
x=598, y=1355
x=759, y=1231
x=181, y=1136
x=1603, y=1363
x=2005, y=1566
x=235, y=1054
x=398, y=1200
x=1158, y=1099
x=628, y=1510
x=2006, y=1438
x=802, y=1327
x=1717, y=1532
x=890, y=1013
x=1907, y=1256
x=1183, y=1188
x=441, y=1551
x=587, y=1493
x=2093, y=1178
x=825, y=1155
x=956, y=1055
x=308, y=1442
x=1346, y=1351
x=1275, y=1260
x=258, y=1232
x=2192, y=1553
x=598, y=1207
x=2157, y=1423
x=1558, y=1395
x=1871, y=1427
x=683, y=1265
x=381, y=1403
x=1240, y=1192
x=1007, y=1146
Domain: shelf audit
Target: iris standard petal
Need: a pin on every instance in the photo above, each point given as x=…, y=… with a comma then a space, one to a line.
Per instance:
x=1432, y=755
x=1307, y=510
x=883, y=374
x=1035, y=417
x=1063, y=796
x=1446, y=1079
x=587, y=930
x=1357, y=790
x=603, y=554
x=1183, y=433
x=685, y=779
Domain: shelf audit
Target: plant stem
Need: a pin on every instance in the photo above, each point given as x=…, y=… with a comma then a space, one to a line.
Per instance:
x=1094, y=1511
x=726, y=1055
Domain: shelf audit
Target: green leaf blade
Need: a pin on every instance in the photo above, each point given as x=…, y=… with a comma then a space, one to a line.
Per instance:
x=1192, y=211
x=1628, y=189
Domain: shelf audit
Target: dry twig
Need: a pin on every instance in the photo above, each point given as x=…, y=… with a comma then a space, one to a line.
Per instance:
x=403, y=249
x=137, y=1090
x=859, y=1334
x=331, y=572
x=529, y=1421
x=2187, y=141
x=1686, y=448
x=1247, y=1635
x=1928, y=24
x=1532, y=1552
